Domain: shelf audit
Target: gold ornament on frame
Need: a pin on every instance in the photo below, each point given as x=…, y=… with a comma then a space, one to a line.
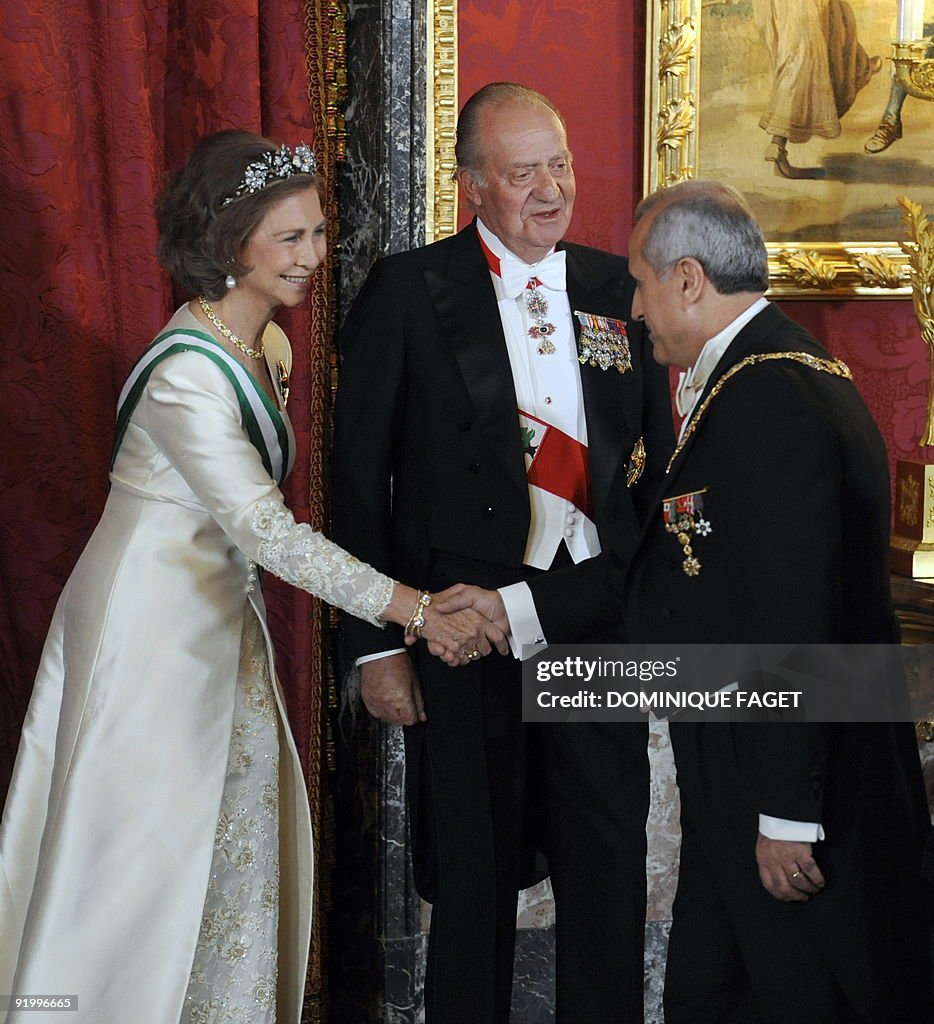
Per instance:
x=920, y=253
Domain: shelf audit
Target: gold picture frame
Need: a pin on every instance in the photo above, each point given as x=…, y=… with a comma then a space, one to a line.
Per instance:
x=441, y=127
x=680, y=102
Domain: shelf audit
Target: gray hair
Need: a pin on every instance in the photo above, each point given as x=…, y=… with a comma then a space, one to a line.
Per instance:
x=468, y=149
x=709, y=222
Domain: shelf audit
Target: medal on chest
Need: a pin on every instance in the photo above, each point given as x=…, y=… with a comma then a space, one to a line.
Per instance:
x=537, y=306
x=603, y=342
x=683, y=517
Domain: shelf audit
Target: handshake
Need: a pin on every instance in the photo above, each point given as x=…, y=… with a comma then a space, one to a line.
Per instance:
x=460, y=624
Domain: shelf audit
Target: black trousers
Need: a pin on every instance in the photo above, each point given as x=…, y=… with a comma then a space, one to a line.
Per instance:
x=491, y=798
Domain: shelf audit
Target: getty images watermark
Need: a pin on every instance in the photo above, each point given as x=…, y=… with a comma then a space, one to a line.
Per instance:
x=729, y=682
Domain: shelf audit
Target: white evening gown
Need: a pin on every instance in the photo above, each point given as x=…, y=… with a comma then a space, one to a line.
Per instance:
x=155, y=848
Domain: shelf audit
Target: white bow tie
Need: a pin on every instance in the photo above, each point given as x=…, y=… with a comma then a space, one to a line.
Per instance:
x=550, y=271
x=688, y=390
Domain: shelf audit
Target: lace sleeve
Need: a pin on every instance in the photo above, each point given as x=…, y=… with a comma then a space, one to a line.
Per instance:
x=192, y=414
x=303, y=557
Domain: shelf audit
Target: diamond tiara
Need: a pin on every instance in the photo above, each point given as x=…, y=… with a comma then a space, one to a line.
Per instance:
x=274, y=166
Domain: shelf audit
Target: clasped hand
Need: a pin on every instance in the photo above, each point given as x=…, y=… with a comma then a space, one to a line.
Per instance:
x=460, y=625
x=788, y=870
x=463, y=624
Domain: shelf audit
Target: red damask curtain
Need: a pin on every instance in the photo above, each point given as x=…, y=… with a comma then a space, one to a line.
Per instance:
x=98, y=101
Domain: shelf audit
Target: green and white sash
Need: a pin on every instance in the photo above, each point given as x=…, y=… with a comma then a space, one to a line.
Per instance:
x=265, y=425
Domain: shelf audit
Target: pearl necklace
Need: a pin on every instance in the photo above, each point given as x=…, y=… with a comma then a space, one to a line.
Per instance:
x=253, y=353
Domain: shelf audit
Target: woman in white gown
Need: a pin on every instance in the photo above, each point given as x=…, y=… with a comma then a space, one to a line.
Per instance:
x=155, y=849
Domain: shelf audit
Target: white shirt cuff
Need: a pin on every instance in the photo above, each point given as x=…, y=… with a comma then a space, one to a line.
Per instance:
x=376, y=657
x=525, y=631
x=790, y=831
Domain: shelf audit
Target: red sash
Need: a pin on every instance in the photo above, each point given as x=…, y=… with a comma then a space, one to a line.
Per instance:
x=559, y=463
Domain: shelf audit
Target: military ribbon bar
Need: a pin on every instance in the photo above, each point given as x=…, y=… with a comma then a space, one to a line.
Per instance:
x=683, y=517
x=603, y=342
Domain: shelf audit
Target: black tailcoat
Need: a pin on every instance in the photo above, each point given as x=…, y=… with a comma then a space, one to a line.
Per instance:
x=794, y=483
x=430, y=487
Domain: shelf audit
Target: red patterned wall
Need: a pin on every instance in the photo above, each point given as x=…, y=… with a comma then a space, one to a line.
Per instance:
x=589, y=59
x=93, y=111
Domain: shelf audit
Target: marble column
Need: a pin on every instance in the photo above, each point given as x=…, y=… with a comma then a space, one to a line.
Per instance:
x=382, y=183
x=376, y=934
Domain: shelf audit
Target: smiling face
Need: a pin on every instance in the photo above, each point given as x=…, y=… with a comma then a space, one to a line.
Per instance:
x=525, y=192
x=283, y=252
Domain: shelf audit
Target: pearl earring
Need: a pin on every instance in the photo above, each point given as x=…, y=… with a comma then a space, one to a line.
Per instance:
x=230, y=281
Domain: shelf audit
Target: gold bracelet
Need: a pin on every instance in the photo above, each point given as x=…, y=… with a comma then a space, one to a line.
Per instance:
x=415, y=623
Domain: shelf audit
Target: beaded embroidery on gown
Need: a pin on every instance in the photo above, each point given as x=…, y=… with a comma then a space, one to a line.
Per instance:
x=233, y=978
x=157, y=820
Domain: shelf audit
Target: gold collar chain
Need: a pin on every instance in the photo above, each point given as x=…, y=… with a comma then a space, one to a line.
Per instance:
x=831, y=366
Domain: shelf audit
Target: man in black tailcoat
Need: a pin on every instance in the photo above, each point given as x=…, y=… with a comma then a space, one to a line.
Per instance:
x=800, y=896
x=496, y=416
